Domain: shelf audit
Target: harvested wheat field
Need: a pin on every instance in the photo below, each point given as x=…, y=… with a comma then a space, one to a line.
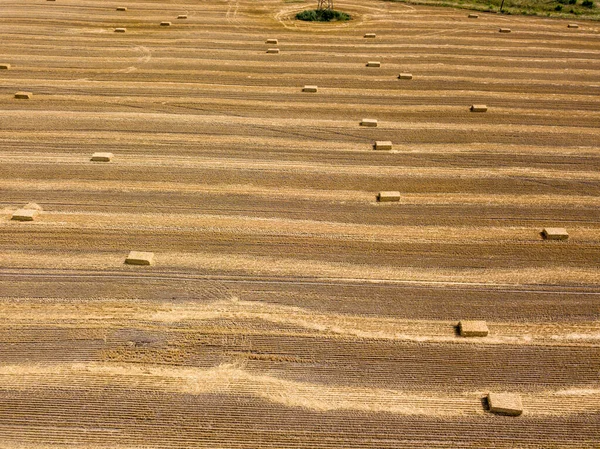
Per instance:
x=269, y=300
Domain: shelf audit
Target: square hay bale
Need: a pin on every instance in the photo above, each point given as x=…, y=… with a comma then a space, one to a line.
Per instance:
x=472, y=329
x=23, y=95
x=368, y=122
x=370, y=36
x=273, y=50
x=555, y=234
x=272, y=41
x=478, y=108
x=505, y=403
x=120, y=30
x=4, y=66
x=405, y=76
x=388, y=196
x=139, y=258
x=382, y=145
x=572, y=25
x=165, y=24
x=473, y=16
x=121, y=8
x=182, y=16
x=101, y=157
x=309, y=89
x=24, y=215
x=373, y=64
x=504, y=30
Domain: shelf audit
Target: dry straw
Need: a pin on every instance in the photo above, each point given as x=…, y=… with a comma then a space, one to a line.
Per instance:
x=139, y=258
x=101, y=157
x=555, y=234
x=388, y=196
x=505, y=403
x=472, y=329
x=382, y=145
x=478, y=108
x=23, y=95
x=24, y=215
x=371, y=122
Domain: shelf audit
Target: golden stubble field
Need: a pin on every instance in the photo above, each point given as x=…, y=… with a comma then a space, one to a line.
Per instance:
x=286, y=307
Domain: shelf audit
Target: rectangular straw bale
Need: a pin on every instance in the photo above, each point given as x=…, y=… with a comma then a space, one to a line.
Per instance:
x=121, y=8
x=23, y=95
x=182, y=16
x=309, y=88
x=101, y=157
x=165, y=24
x=273, y=50
x=504, y=30
x=373, y=64
x=4, y=66
x=382, y=145
x=478, y=108
x=405, y=76
x=370, y=36
x=555, y=234
x=24, y=215
x=368, y=122
x=120, y=30
x=505, y=403
x=272, y=41
x=572, y=25
x=388, y=196
x=472, y=328
x=139, y=258
x=473, y=16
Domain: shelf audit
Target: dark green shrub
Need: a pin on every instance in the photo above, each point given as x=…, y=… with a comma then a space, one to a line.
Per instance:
x=309, y=16
x=558, y=8
x=322, y=15
x=587, y=3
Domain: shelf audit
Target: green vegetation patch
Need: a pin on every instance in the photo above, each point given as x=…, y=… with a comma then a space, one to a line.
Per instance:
x=582, y=9
x=322, y=15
